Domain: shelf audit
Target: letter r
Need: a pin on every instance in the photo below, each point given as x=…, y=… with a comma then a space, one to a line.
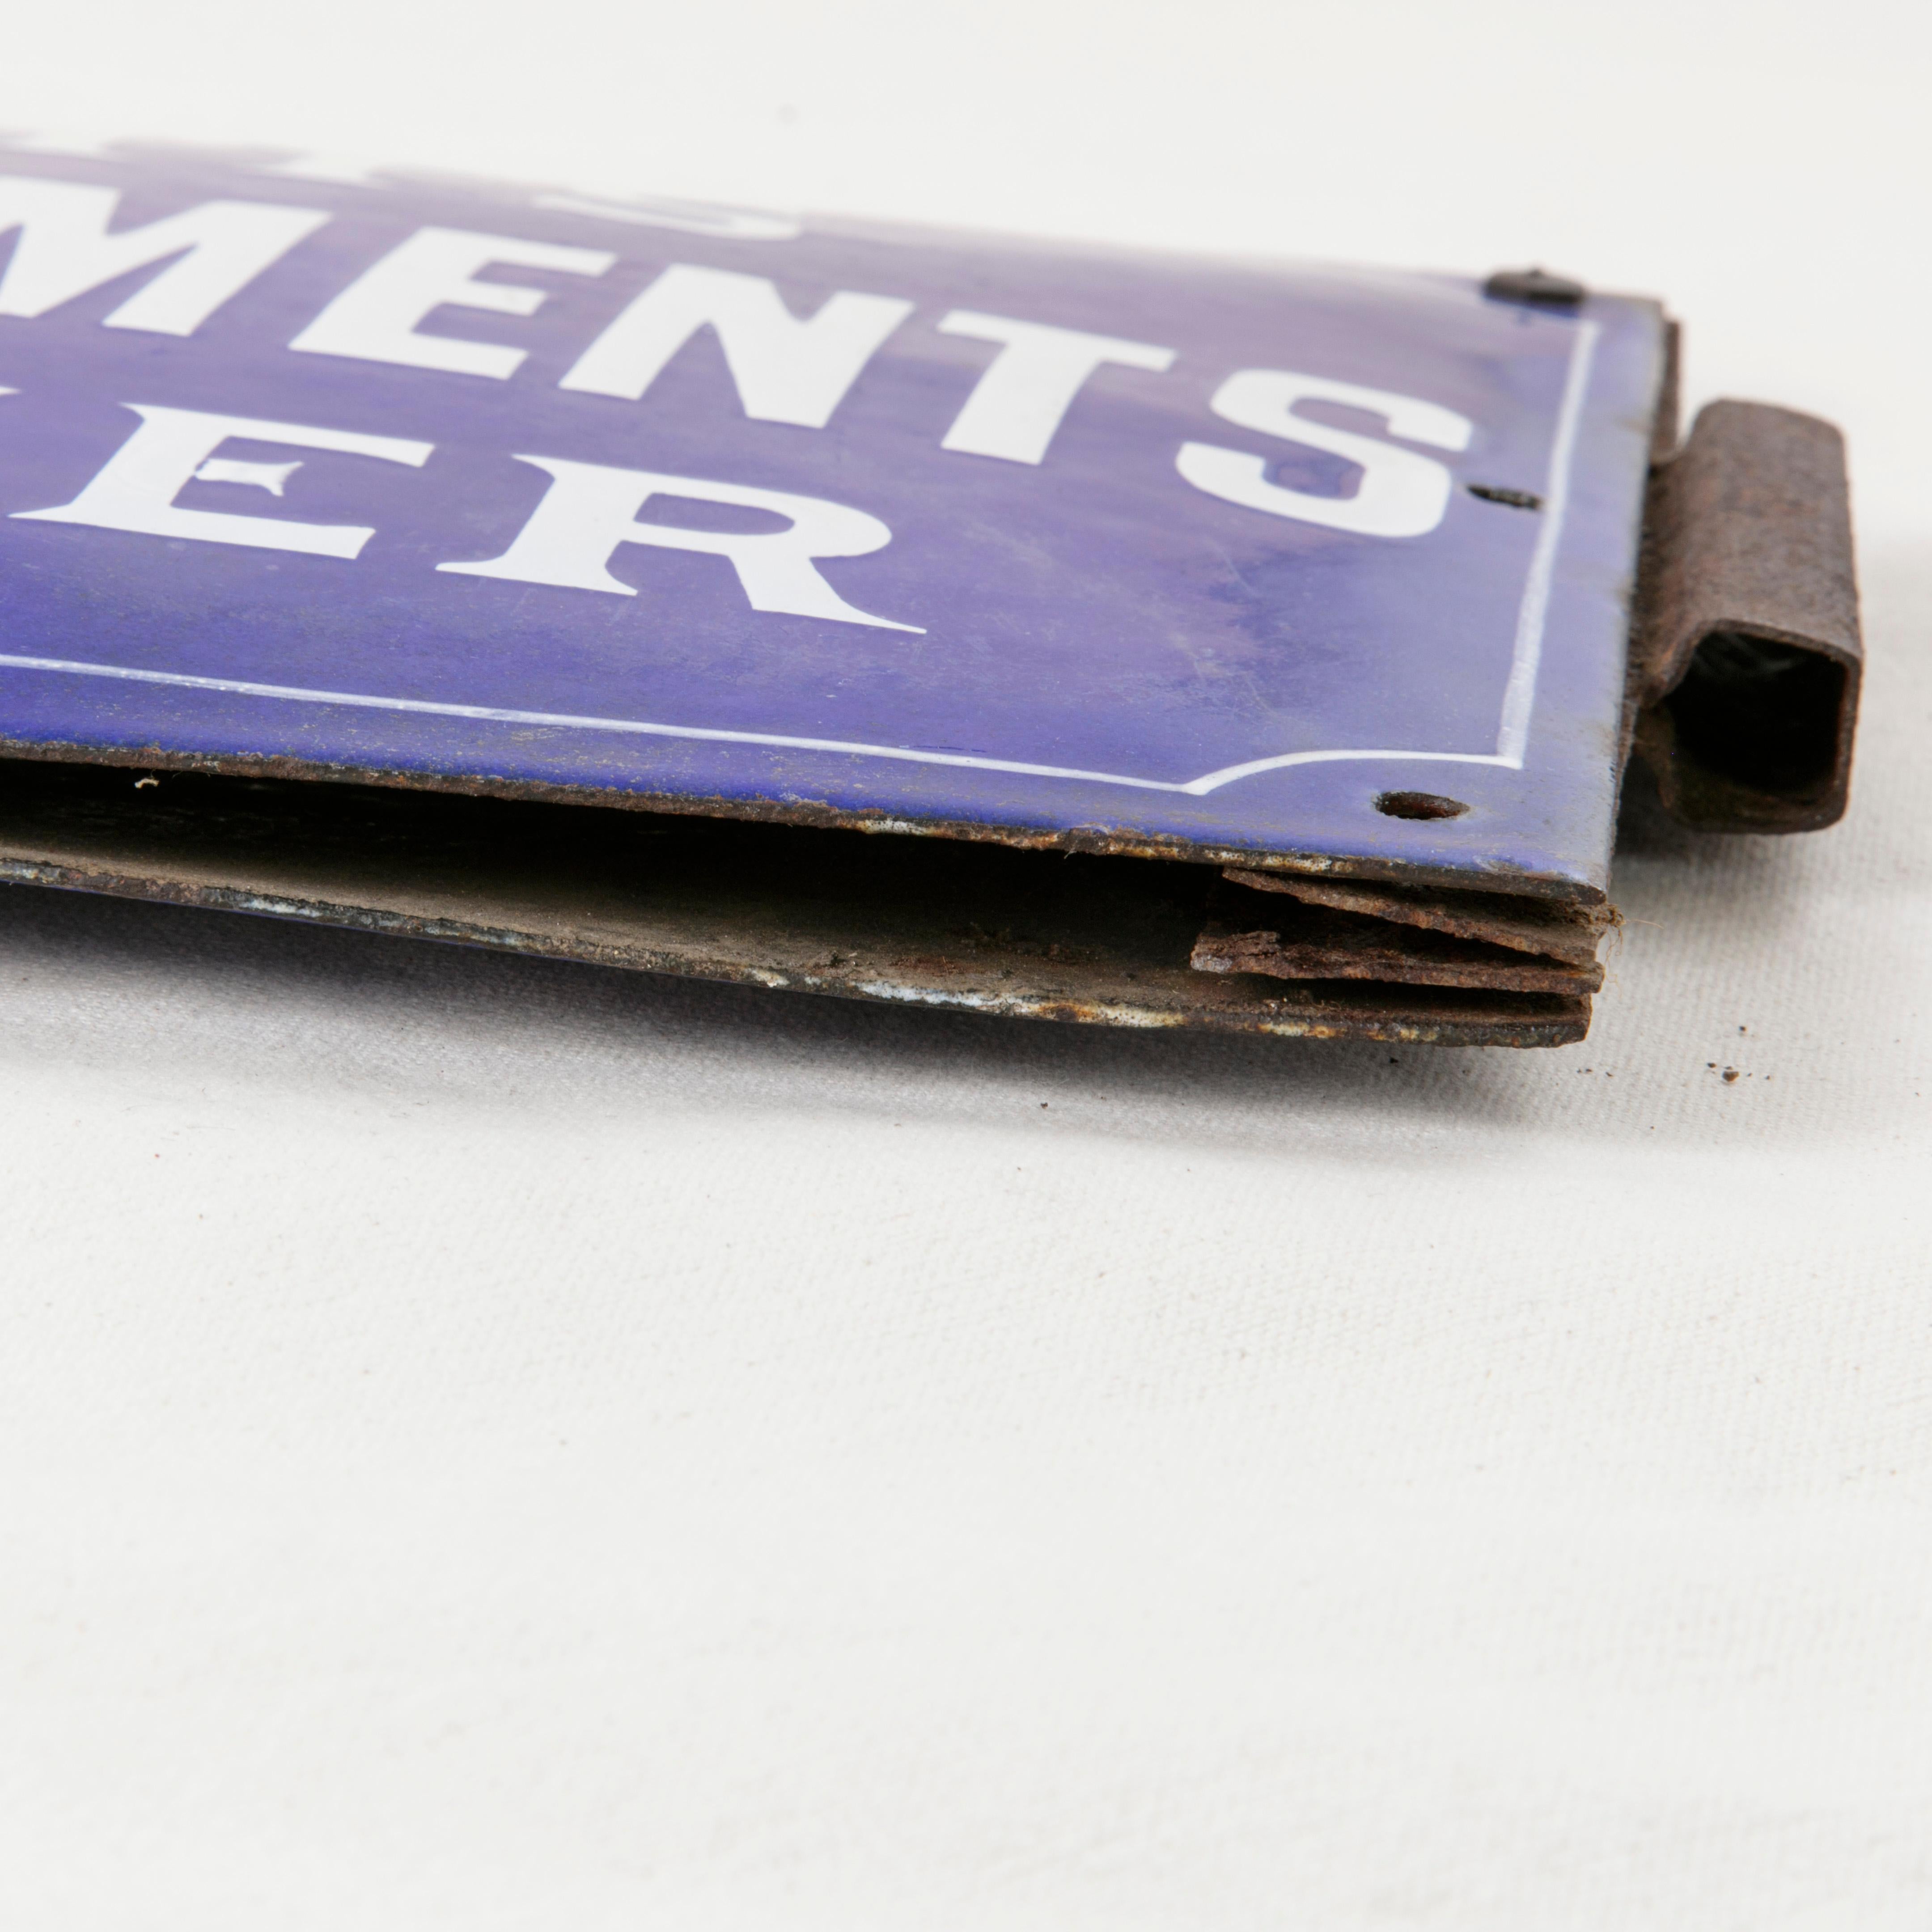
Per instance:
x=589, y=511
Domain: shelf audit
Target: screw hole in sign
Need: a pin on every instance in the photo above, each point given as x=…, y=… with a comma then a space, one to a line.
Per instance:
x=1418, y=805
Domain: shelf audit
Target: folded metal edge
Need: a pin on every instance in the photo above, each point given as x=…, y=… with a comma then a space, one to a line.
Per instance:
x=1002, y=933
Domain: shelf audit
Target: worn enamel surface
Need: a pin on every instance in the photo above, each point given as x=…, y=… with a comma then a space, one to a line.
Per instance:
x=1088, y=643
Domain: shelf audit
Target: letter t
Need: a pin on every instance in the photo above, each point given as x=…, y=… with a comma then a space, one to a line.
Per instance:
x=1017, y=404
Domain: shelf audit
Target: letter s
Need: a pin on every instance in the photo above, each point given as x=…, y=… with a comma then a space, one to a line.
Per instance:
x=1402, y=493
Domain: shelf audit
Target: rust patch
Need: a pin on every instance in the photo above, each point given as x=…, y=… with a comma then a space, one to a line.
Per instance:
x=963, y=926
x=1746, y=655
x=1221, y=949
x=1571, y=934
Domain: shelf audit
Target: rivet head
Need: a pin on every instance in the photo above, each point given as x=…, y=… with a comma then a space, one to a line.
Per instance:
x=1534, y=285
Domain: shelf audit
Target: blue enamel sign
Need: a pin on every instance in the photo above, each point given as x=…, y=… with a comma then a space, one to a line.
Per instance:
x=526, y=488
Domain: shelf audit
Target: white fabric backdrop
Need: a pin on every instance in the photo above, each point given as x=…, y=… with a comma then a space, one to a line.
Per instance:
x=494, y=1445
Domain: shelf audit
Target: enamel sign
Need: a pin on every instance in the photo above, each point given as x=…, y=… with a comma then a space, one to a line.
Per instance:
x=526, y=488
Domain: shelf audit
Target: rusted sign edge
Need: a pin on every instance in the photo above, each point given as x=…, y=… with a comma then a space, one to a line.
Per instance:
x=1567, y=1023
x=1492, y=876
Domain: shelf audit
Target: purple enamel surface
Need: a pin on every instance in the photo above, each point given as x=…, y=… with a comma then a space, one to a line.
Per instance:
x=1093, y=614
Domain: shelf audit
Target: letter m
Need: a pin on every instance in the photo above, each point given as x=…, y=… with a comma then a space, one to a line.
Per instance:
x=65, y=249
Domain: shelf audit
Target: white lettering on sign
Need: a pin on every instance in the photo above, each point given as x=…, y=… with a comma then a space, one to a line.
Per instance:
x=1021, y=401
x=65, y=249
x=1402, y=493
x=788, y=368
x=589, y=511
x=375, y=319
x=172, y=448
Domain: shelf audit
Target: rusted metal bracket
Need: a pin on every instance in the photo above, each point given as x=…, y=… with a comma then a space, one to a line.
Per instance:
x=1745, y=655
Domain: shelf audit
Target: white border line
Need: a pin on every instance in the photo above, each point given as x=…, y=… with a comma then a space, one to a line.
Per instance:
x=1520, y=695
x=1513, y=736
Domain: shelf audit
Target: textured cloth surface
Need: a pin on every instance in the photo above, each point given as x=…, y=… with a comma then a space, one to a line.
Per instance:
x=497, y=1445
